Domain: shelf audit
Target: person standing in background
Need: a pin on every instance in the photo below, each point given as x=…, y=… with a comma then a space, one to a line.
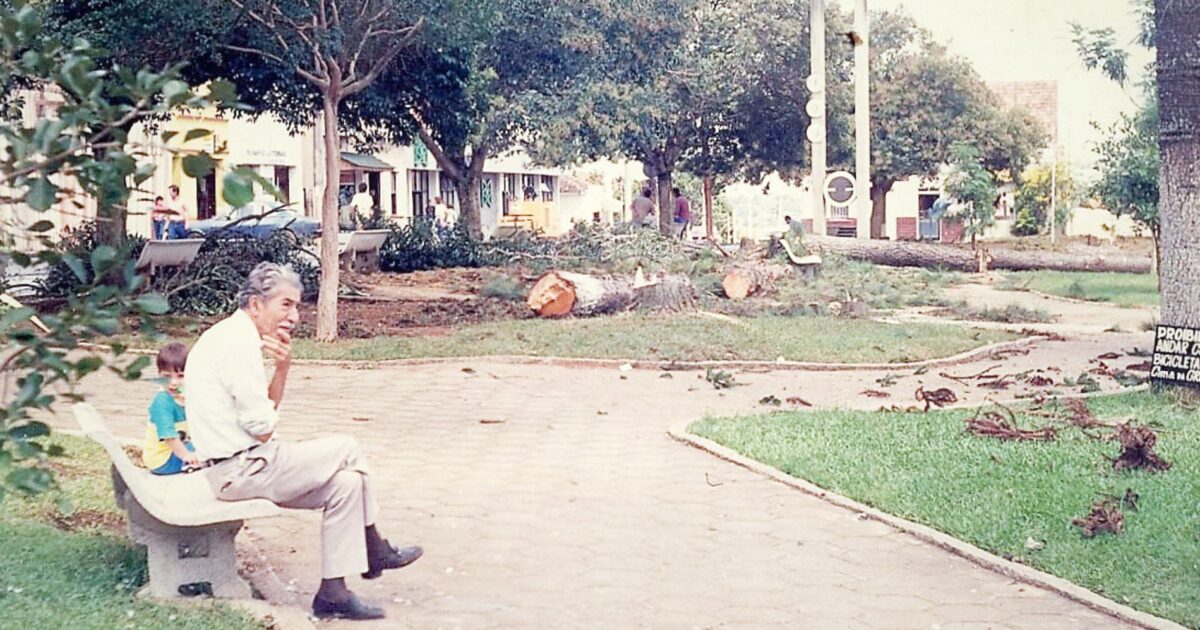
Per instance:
x=683, y=213
x=176, y=214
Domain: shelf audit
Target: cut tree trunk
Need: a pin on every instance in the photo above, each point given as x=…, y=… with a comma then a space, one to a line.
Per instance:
x=909, y=254
x=1178, y=64
x=560, y=293
x=745, y=279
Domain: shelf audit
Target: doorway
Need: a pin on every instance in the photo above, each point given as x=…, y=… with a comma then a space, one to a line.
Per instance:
x=206, y=196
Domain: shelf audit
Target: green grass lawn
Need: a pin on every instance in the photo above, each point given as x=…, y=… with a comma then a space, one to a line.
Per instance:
x=1123, y=289
x=679, y=337
x=83, y=572
x=997, y=494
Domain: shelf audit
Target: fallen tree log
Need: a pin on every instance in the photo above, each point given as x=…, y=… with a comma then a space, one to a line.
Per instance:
x=742, y=280
x=559, y=293
x=928, y=255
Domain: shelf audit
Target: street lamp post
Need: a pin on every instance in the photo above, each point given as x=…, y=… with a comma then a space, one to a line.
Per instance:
x=816, y=114
x=862, y=118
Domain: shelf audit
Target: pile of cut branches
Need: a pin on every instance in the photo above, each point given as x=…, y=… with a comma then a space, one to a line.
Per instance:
x=1004, y=426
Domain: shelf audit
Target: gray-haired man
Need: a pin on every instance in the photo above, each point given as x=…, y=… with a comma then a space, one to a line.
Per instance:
x=232, y=416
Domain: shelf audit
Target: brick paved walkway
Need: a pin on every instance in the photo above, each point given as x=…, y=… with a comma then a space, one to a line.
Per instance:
x=578, y=511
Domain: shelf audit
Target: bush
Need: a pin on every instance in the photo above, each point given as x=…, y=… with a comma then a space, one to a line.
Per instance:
x=427, y=245
x=61, y=282
x=209, y=286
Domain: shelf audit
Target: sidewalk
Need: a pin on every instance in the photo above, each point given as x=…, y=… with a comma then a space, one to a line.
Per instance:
x=571, y=507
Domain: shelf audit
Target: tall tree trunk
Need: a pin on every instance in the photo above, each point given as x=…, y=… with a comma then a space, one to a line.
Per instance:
x=1178, y=24
x=467, y=188
x=666, y=209
x=879, y=193
x=327, y=298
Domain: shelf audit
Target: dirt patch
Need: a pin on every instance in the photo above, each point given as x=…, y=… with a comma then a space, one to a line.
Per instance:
x=361, y=319
x=88, y=519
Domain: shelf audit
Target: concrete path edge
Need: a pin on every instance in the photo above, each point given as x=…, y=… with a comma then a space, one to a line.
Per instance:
x=971, y=553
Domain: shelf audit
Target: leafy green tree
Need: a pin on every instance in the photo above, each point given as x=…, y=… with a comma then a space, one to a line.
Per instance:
x=660, y=86
x=476, y=87
x=1128, y=155
x=973, y=186
x=298, y=59
x=82, y=149
x=1032, y=203
x=924, y=101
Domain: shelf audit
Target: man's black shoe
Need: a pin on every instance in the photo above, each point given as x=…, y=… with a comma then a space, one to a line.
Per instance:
x=393, y=559
x=352, y=608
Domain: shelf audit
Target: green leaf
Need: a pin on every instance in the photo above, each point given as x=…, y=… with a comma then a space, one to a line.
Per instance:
x=133, y=371
x=15, y=316
x=175, y=91
x=153, y=304
x=237, y=190
x=30, y=480
x=29, y=431
x=76, y=266
x=87, y=365
x=42, y=194
x=193, y=134
x=197, y=166
x=106, y=325
x=167, y=135
x=41, y=226
x=103, y=258
x=222, y=91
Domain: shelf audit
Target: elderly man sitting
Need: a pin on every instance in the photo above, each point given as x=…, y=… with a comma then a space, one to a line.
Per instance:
x=232, y=414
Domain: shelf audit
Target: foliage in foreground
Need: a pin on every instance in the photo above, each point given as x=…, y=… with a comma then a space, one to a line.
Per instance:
x=999, y=495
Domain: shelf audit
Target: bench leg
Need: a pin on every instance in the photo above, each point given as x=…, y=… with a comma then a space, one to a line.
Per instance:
x=187, y=555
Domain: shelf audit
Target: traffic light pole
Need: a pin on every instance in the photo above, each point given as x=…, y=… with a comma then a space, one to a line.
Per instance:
x=862, y=118
x=816, y=114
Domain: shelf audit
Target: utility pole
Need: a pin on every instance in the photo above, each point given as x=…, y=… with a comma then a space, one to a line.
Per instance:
x=862, y=119
x=816, y=113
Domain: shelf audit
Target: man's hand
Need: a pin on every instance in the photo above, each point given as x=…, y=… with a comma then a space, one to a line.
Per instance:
x=191, y=460
x=279, y=348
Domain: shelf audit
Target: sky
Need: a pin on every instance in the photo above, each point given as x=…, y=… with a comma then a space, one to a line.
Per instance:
x=1026, y=40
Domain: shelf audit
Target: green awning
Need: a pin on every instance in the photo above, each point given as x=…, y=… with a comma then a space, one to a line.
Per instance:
x=364, y=162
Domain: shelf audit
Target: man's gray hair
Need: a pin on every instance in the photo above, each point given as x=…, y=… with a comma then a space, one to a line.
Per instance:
x=264, y=279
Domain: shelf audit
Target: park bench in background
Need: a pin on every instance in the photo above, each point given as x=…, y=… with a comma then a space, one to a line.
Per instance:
x=188, y=532
x=169, y=253
x=359, y=251
x=809, y=265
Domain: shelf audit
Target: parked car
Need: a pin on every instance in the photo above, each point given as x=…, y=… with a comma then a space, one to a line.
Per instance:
x=236, y=220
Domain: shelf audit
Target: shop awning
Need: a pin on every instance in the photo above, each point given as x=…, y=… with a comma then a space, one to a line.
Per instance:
x=363, y=162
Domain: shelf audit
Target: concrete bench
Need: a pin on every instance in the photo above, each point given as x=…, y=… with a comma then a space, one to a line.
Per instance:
x=172, y=253
x=809, y=265
x=188, y=533
x=359, y=251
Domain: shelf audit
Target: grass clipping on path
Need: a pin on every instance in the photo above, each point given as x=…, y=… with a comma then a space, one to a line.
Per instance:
x=690, y=337
x=75, y=568
x=999, y=494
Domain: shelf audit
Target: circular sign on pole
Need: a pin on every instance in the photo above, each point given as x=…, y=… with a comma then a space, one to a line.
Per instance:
x=840, y=188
